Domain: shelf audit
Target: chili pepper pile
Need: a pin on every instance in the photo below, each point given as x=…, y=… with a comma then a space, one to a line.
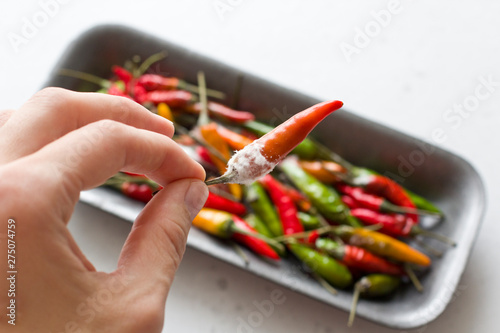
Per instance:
x=346, y=224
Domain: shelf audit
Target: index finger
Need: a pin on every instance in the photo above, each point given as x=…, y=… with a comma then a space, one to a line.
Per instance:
x=54, y=112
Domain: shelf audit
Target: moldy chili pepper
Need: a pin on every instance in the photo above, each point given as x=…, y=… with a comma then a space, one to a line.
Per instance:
x=328, y=268
x=306, y=149
x=218, y=202
x=325, y=199
x=284, y=204
x=381, y=244
x=226, y=225
x=356, y=257
x=257, y=198
x=261, y=156
x=373, y=285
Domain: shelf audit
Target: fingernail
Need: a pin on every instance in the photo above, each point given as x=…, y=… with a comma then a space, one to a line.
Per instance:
x=195, y=198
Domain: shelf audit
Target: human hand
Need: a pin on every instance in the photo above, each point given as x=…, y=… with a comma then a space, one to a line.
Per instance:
x=54, y=146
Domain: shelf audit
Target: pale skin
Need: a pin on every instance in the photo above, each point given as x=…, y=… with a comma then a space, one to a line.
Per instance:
x=57, y=144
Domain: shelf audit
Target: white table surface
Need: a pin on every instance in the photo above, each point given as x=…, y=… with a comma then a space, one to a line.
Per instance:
x=429, y=57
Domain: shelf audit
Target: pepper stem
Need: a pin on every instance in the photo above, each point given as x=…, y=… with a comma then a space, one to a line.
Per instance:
x=413, y=277
x=407, y=210
x=224, y=179
x=203, y=119
x=242, y=254
x=429, y=249
x=181, y=129
x=416, y=230
x=86, y=77
x=325, y=284
x=210, y=92
x=354, y=305
x=299, y=235
x=149, y=61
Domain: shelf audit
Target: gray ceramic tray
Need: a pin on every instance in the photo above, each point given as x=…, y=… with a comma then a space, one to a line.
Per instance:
x=446, y=179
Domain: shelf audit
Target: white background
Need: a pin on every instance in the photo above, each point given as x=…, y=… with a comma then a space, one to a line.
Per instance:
x=427, y=59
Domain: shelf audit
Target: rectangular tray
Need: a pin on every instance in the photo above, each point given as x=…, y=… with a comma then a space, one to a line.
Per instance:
x=446, y=179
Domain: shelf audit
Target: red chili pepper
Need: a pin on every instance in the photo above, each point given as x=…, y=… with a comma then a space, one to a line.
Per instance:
x=133, y=174
x=300, y=200
x=256, y=244
x=392, y=224
x=116, y=91
x=262, y=155
x=224, y=112
x=349, y=202
x=313, y=237
x=155, y=82
x=122, y=74
x=141, y=192
x=284, y=204
x=204, y=154
x=396, y=225
x=218, y=202
x=373, y=202
x=226, y=225
x=362, y=259
x=173, y=98
x=389, y=189
x=357, y=257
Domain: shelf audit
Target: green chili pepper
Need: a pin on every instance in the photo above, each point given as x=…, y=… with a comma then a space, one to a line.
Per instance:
x=256, y=223
x=326, y=267
x=310, y=222
x=324, y=198
x=373, y=285
x=422, y=203
x=263, y=208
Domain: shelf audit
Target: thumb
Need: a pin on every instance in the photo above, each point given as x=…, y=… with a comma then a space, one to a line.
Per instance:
x=158, y=238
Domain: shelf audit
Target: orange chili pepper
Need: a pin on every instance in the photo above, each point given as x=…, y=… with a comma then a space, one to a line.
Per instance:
x=234, y=140
x=212, y=137
x=324, y=171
